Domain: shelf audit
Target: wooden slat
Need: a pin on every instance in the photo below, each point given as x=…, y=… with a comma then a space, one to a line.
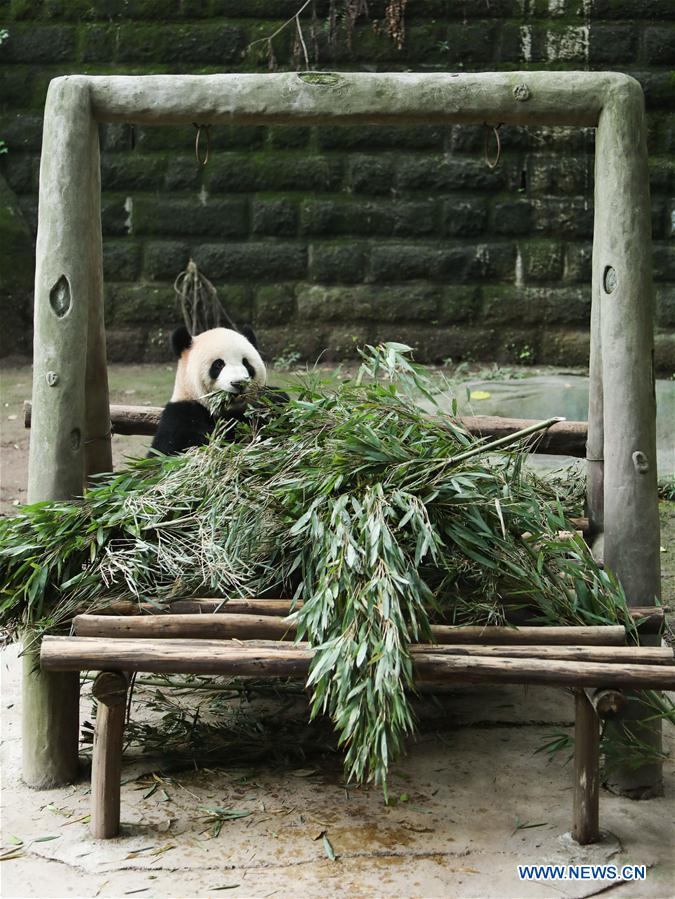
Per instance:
x=224, y=657
x=585, y=828
x=196, y=626
x=110, y=689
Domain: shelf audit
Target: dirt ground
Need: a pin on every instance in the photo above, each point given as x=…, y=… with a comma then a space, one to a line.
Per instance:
x=474, y=798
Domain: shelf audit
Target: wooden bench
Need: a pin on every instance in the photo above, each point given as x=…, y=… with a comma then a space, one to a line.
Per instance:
x=251, y=638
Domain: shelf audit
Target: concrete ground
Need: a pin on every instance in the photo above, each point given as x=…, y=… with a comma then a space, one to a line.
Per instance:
x=472, y=800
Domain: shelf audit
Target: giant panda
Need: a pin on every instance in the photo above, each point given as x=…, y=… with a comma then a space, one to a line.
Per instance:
x=219, y=359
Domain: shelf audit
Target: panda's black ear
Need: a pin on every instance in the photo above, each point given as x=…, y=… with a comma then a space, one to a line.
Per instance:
x=180, y=340
x=249, y=334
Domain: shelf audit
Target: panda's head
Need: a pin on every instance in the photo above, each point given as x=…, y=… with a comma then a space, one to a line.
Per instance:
x=219, y=359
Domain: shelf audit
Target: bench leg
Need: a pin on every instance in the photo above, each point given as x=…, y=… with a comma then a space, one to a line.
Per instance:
x=110, y=690
x=586, y=771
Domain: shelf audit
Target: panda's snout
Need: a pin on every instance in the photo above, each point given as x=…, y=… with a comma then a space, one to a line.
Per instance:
x=240, y=386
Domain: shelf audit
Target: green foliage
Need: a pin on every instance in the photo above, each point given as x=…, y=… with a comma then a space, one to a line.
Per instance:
x=377, y=516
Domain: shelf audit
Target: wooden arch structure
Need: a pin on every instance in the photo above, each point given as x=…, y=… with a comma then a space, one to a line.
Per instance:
x=70, y=437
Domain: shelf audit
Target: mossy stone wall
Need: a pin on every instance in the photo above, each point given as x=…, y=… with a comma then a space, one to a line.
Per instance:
x=326, y=238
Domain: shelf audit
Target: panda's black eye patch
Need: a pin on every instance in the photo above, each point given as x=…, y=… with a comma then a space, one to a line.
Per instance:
x=216, y=367
x=249, y=368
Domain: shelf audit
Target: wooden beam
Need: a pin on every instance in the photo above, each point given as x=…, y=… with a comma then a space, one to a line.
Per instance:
x=565, y=438
x=586, y=771
x=110, y=691
x=648, y=618
x=197, y=626
x=200, y=627
x=225, y=657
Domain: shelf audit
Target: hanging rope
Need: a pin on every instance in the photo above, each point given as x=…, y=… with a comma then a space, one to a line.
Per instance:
x=494, y=129
x=198, y=303
x=207, y=128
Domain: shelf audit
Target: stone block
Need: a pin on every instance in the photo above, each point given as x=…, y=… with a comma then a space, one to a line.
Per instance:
x=658, y=47
x=343, y=343
x=337, y=262
x=368, y=303
x=435, y=345
x=115, y=217
x=471, y=44
x=569, y=217
x=457, y=304
x=464, y=216
x=288, y=137
x=662, y=174
x=141, y=303
x=18, y=86
x=377, y=218
x=517, y=346
x=665, y=305
x=392, y=262
x=214, y=43
x=658, y=87
x=382, y=137
x=277, y=218
x=254, y=261
x=558, y=42
x=487, y=262
x=629, y=9
x=565, y=347
x=116, y=137
x=511, y=217
x=372, y=174
x=663, y=256
x=183, y=173
x=578, y=262
x=182, y=137
x=303, y=338
x=237, y=298
x=560, y=173
x=442, y=173
x=274, y=305
x=542, y=260
x=158, y=343
x=612, y=45
x=130, y=171
x=126, y=344
x=215, y=218
x=21, y=171
x=36, y=43
x=98, y=43
x=664, y=354
x=21, y=131
x=273, y=172
x=164, y=260
x=504, y=304
x=121, y=260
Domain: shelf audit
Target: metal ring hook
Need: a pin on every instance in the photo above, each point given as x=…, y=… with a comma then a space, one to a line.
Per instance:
x=207, y=128
x=495, y=130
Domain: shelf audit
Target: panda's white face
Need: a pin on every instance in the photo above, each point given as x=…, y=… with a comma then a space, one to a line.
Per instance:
x=219, y=359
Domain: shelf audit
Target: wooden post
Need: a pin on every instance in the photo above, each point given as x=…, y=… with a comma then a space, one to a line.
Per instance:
x=50, y=707
x=67, y=270
x=586, y=771
x=595, y=476
x=622, y=268
x=98, y=446
x=110, y=690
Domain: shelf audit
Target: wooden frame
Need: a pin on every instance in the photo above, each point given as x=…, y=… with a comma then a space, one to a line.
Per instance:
x=71, y=421
x=579, y=658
